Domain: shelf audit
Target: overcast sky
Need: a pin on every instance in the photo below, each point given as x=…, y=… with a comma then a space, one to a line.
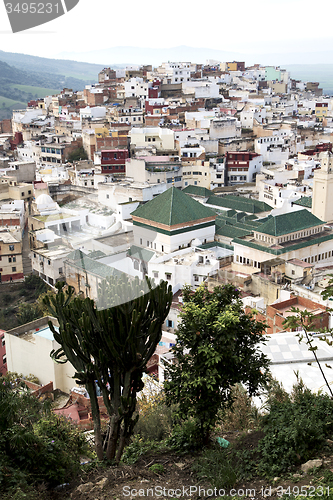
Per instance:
x=262, y=26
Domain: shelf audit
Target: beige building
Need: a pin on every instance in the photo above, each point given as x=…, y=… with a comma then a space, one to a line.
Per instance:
x=322, y=205
x=28, y=350
x=10, y=189
x=296, y=235
x=196, y=173
x=11, y=264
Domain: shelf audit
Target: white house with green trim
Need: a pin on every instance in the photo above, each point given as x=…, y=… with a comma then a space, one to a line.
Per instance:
x=297, y=235
x=172, y=221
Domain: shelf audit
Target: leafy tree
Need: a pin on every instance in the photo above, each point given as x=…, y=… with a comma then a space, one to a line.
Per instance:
x=35, y=283
x=111, y=346
x=77, y=154
x=217, y=347
x=28, y=312
x=35, y=445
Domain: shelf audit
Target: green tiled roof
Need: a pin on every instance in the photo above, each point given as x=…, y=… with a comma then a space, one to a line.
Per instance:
x=232, y=231
x=239, y=215
x=76, y=255
x=91, y=266
x=289, y=223
x=173, y=207
x=198, y=191
x=248, y=225
x=140, y=253
x=285, y=249
x=305, y=201
x=239, y=203
x=97, y=254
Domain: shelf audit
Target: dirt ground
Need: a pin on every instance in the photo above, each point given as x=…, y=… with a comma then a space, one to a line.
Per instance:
x=178, y=480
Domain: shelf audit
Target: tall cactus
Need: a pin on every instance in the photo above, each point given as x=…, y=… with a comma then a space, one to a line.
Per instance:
x=111, y=344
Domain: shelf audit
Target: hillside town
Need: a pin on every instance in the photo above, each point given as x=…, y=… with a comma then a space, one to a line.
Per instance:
x=191, y=173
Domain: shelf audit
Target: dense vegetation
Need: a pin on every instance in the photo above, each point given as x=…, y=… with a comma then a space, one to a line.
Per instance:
x=288, y=430
x=35, y=445
x=22, y=302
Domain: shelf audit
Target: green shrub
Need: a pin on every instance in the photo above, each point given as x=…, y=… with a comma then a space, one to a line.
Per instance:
x=155, y=423
x=35, y=284
x=155, y=417
x=136, y=449
x=215, y=466
x=7, y=298
x=295, y=429
x=9, y=311
x=157, y=468
x=241, y=415
x=27, y=313
x=35, y=445
x=185, y=437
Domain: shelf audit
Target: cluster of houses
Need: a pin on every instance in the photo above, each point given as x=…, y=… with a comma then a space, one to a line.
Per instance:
x=191, y=173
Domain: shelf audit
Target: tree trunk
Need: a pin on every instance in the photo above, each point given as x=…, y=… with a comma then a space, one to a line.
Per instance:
x=113, y=438
x=91, y=388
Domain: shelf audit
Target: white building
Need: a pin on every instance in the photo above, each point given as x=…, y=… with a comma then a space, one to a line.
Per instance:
x=172, y=221
x=28, y=350
x=189, y=266
x=277, y=147
x=175, y=72
x=161, y=139
x=154, y=170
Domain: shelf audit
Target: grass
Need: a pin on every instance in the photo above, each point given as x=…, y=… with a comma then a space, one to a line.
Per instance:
x=8, y=103
x=36, y=91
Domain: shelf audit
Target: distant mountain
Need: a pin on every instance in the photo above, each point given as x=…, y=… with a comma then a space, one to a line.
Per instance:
x=18, y=86
x=148, y=55
x=124, y=56
x=76, y=70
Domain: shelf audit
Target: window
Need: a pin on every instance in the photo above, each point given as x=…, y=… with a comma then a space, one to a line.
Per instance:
x=14, y=259
x=4, y=359
x=136, y=265
x=9, y=259
x=162, y=248
x=3, y=342
x=49, y=262
x=107, y=196
x=169, y=323
x=196, y=278
x=168, y=276
x=11, y=247
x=156, y=274
x=140, y=241
x=60, y=270
x=13, y=269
